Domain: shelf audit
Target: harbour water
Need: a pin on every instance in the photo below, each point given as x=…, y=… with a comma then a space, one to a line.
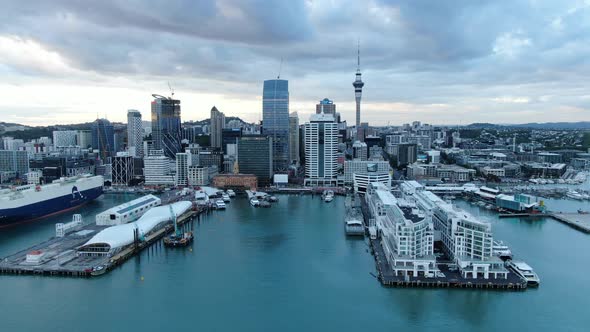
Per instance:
x=290, y=268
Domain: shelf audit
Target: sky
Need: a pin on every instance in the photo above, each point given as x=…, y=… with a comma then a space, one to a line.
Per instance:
x=439, y=62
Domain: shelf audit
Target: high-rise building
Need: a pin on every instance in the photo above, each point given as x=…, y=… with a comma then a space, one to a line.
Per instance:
x=183, y=161
x=275, y=120
x=103, y=138
x=134, y=133
x=255, y=157
x=294, y=138
x=230, y=136
x=217, y=125
x=359, y=150
x=407, y=154
x=166, y=131
x=326, y=106
x=321, y=150
x=358, y=91
x=84, y=138
x=120, y=138
x=63, y=138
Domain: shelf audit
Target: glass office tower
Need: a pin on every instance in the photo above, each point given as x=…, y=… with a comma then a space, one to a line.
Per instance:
x=275, y=120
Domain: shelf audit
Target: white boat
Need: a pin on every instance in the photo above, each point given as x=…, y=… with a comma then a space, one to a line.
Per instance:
x=574, y=195
x=501, y=250
x=219, y=204
x=328, y=196
x=225, y=198
x=231, y=193
x=254, y=202
x=354, y=227
x=524, y=271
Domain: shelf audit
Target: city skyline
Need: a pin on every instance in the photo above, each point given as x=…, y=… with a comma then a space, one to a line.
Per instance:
x=511, y=62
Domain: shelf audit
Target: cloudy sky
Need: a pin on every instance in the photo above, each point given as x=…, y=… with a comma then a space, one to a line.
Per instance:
x=441, y=62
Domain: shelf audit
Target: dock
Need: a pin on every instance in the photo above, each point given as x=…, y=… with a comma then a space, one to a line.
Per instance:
x=60, y=256
x=576, y=220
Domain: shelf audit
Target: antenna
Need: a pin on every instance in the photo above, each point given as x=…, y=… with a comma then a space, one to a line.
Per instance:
x=280, y=68
x=171, y=89
x=358, y=55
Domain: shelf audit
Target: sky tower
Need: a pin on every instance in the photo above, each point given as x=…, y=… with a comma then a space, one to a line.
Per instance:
x=358, y=91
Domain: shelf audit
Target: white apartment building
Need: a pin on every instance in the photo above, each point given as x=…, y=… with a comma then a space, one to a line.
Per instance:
x=360, y=174
x=407, y=233
x=183, y=161
x=321, y=150
x=157, y=169
x=466, y=240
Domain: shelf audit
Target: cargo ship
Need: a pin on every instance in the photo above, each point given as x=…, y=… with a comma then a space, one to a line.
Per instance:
x=30, y=202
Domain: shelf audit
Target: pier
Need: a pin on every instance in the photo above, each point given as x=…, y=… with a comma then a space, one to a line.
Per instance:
x=578, y=221
x=60, y=257
x=447, y=278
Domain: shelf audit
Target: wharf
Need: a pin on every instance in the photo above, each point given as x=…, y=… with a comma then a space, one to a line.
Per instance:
x=60, y=253
x=451, y=279
x=576, y=220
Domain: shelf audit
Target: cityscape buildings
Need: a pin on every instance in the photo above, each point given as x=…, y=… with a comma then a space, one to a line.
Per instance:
x=217, y=126
x=134, y=133
x=294, y=138
x=255, y=156
x=63, y=138
x=103, y=138
x=321, y=148
x=275, y=120
x=166, y=129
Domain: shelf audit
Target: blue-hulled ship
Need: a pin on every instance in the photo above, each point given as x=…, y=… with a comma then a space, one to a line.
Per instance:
x=29, y=202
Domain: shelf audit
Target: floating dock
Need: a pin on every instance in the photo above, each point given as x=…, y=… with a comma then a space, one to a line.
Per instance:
x=59, y=256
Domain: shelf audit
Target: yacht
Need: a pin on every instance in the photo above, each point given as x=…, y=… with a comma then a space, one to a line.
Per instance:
x=574, y=195
x=231, y=193
x=354, y=227
x=328, y=196
x=225, y=198
x=254, y=202
x=219, y=204
x=524, y=271
x=501, y=250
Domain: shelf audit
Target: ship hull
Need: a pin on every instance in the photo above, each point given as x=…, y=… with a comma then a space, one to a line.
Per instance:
x=12, y=216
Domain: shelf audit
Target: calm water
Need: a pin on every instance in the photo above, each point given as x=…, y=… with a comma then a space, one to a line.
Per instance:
x=290, y=268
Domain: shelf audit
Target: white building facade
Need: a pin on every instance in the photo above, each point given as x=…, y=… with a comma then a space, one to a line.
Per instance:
x=321, y=150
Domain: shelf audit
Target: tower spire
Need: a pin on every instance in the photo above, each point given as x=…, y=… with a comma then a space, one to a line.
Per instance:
x=358, y=56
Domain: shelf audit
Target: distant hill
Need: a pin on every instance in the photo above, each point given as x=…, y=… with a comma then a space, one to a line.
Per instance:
x=482, y=126
x=208, y=121
x=555, y=125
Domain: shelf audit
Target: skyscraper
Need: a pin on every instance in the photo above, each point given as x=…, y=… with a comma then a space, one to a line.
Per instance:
x=326, y=106
x=103, y=138
x=134, y=134
x=217, y=125
x=275, y=117
x=166, y=131
x=358, y=91
x=255, y=157
x=294, y=138
x=321, y=150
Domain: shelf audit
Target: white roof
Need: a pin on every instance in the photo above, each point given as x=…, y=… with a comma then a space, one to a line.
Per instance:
x=386, y=197
x=522, y=266
x=122, y=235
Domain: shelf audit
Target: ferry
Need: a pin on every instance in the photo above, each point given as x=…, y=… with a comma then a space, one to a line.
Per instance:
x=574, y=195
x=354, y=228
x=501, y=250
x=524, y=271
x=28, y=202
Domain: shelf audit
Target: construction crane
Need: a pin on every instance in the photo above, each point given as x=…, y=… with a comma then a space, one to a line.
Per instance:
x=171, y=90
x=178, y=239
